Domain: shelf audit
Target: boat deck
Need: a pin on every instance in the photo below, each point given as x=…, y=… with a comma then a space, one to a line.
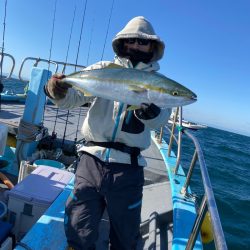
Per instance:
x=11, y=113
x=48, y=232
x=156, y=199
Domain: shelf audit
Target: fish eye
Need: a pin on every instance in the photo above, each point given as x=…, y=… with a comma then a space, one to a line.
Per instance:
x=175, y=93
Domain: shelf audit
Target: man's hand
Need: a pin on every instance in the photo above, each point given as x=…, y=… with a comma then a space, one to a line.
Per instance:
x=55, y=88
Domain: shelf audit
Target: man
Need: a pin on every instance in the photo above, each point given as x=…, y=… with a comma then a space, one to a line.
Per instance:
x=110, y=171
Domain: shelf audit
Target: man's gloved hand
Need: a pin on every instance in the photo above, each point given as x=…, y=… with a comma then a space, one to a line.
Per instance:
x=147, y=111
x=56, y=89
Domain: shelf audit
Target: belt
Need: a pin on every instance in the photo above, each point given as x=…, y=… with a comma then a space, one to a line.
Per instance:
x=133, y=151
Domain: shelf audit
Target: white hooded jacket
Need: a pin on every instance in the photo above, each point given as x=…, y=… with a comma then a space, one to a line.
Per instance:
x=108, y=120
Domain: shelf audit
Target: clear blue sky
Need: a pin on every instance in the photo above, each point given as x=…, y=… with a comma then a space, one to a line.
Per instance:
x=207, y=45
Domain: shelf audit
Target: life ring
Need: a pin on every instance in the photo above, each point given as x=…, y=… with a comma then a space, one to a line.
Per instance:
x=5, y=180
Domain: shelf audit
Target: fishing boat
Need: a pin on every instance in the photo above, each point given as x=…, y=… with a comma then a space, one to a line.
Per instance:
x=185, y=123
x=172, y=216
x=38, y=157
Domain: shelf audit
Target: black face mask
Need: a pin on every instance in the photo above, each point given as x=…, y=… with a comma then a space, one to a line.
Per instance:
x=136, y=56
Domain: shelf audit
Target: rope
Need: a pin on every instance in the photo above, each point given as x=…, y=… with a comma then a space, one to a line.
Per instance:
x=105, y=41
x=27, y=132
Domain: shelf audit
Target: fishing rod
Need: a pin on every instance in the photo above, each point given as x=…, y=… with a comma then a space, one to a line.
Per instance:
x=53, y=136
x=77, y=55
x=2, y=50
x=106, y=36
x=66, y=60
x=90, y=41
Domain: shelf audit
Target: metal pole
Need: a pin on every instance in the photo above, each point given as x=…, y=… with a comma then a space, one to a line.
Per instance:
x=197, y=224
x=189, y=174
x=219, y=237
x=172, y=132
x=179, y=142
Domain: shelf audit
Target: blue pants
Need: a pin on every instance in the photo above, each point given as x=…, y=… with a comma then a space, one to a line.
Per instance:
x=99, y=185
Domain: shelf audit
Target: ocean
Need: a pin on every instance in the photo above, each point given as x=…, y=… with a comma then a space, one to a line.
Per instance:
x=227, y=156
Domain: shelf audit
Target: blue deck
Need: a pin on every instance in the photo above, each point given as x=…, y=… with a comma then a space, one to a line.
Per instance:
x=184, y=212
x=48, y=232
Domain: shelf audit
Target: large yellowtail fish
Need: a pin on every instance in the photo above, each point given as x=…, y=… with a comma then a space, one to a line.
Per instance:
x=131, y=86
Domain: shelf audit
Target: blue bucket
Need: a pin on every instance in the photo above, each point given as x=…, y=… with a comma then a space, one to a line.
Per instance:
x=50, y=163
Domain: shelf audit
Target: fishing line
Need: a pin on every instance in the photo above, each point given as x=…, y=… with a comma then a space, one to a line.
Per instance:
x=90, y=41
x=2, y=50
x=105, y=41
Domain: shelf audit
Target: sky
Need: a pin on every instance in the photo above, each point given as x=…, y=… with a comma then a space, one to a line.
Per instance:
x=207, y=45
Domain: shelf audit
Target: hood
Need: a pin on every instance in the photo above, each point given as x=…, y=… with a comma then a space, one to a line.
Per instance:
x=139, y=27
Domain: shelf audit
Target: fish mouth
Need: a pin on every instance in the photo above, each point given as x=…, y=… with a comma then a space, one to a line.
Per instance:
x=193, y=97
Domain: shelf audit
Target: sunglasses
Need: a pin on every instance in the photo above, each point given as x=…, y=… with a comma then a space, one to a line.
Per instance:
x=138, y=40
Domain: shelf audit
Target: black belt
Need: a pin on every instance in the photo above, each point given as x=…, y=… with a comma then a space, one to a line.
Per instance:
x=133, y=151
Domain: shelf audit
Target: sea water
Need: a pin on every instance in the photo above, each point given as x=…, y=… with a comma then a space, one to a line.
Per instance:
x=227, y=157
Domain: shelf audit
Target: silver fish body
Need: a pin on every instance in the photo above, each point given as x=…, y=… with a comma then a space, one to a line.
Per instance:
x=132, y=87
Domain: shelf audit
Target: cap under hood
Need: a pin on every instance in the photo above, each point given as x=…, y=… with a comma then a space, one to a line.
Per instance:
x=139, y=27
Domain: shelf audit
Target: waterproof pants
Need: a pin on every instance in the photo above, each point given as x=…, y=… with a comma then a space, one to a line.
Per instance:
x=98, y=185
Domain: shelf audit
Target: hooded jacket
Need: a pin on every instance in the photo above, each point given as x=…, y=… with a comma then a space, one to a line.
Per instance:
x=110, y=121
x=139, y=27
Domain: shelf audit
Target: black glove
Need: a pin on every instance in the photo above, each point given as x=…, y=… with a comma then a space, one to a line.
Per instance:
x=56, y=89
x=147, y=111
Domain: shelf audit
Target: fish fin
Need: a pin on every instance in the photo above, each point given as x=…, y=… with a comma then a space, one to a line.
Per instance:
x=133, y=107
x=113, y=66
x=136, y=89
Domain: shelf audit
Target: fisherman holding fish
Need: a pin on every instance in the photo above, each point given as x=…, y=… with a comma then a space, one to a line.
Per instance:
x=109, y=174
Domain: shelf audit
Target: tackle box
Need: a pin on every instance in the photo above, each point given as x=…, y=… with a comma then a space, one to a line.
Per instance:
x=31, y=197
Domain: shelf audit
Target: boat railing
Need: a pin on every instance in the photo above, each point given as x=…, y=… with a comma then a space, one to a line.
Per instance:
x=208, y=202
x=12, y=63
x=60, y=67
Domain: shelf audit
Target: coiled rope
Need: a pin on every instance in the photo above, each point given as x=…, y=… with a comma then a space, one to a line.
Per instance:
x=27, y=133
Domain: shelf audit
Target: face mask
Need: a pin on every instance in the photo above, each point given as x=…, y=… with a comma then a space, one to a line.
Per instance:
x=137, y=56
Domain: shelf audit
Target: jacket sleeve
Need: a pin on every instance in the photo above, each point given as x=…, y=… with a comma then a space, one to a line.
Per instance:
x=75, y=98
x=153, y=116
